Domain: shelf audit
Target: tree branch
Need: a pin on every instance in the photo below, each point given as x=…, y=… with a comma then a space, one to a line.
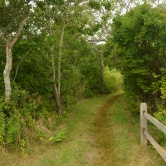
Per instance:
x=19, y=66
x=19, y=31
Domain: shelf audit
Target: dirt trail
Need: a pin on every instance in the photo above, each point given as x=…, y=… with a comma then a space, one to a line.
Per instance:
x=103, y=137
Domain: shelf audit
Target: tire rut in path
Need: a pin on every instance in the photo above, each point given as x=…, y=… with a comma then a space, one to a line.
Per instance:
x=104, y=138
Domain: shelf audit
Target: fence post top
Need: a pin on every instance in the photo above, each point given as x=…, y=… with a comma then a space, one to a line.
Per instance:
x=143, y=106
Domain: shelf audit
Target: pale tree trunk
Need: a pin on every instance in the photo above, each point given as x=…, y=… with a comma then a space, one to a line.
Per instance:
x=58, y=91
x=6, y=72
x=8, y=67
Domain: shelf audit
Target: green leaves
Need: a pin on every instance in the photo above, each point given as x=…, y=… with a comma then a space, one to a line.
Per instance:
x=113, y=80
x=137, y=35
x=163, y=88
x=94, y=4
x=60, y=136
x=2, y=122
x=97, y=5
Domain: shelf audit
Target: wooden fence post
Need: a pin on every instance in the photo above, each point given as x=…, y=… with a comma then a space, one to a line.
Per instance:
x=143, y=120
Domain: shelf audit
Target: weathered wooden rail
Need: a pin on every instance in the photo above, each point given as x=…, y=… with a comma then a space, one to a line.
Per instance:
x=144, y=130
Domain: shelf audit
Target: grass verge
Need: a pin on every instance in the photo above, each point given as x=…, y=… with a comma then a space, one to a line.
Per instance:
x=127, y=139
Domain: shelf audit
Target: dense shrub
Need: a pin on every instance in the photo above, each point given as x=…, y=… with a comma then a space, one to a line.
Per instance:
x=23, y=119
x=113, y=80
x=137, y=44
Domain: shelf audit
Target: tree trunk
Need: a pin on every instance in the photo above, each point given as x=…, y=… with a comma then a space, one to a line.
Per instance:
x=6, y=72
x=58, y=100
x=101, y=70
x=56, y=92
x=8, y=67
x=59, y=60
x=57, y=86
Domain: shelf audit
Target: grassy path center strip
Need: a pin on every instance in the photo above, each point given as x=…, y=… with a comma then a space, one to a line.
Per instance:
x=104, y=134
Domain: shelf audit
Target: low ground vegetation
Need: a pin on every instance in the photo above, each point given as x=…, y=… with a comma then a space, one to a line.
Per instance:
x=99, y=131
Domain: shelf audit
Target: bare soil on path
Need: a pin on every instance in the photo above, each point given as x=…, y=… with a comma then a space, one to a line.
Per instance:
x=104, y=140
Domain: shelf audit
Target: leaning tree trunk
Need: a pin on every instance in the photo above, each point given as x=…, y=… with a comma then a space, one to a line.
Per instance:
x=8, y=67
x=6, y=72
